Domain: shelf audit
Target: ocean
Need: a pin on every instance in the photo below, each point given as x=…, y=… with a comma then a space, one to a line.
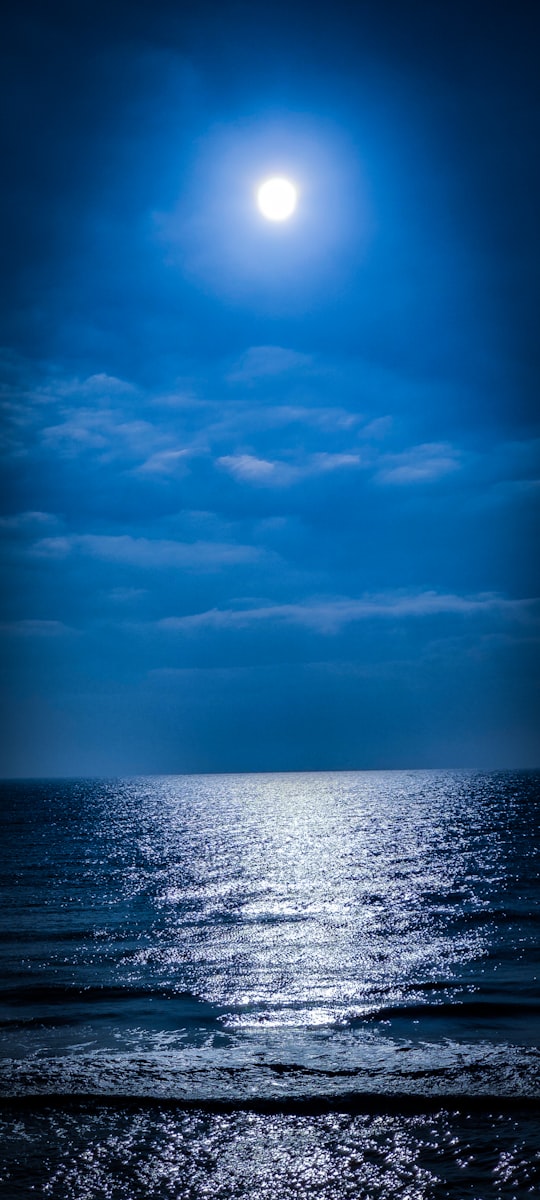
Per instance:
x=280, y=985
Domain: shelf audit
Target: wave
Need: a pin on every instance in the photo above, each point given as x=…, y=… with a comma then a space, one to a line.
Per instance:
x=465, y=1010
x=236, y=1076
x=40, y=936
x=49, y=1005
x=38, y=993
x=402, y=1103
x=497, y=916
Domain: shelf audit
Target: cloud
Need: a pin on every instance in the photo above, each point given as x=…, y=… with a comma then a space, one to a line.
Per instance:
x=102, y=429
x=419, y=464
x=53, y=547
x=34, y=628
x=163, y=462
x=100, y=385
x=274, y=416
x=67, y=414
x=247, y=468
x=513, y=463
x=183, y=400
x=262, y=361
x=27, y=523
x=332, y=462
x=126, y=595
x=378, y=428
x=147, y=552
x=329, y=616
x=85, y=429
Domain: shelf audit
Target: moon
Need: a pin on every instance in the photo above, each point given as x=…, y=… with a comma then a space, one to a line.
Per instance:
x=276, y=198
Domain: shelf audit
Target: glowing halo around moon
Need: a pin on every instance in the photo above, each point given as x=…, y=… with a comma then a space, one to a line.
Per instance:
x=276, y=198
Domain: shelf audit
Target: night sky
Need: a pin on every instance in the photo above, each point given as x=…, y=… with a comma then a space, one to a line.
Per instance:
x=269, y=490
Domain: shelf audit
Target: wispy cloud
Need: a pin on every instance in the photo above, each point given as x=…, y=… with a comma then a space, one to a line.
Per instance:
x=102, y=429
x=329, y=616
x=378, y=428
x=27, y=523
x=147, y=552
x=164, y=462
x=126, y=595
x=263, y=361
x=275, y=416
x=34, y=628
x=419, y=464
x=247, y=468
x=332, y=462
x=65, y=413
x=99, y=385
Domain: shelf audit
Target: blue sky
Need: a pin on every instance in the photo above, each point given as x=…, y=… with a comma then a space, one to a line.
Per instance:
x=270, y=492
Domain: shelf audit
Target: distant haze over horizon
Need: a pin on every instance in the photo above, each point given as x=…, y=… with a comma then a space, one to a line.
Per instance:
x=437, y=771
x=270, y=488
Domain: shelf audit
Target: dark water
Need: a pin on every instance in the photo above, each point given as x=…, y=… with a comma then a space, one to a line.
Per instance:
x=280, y=985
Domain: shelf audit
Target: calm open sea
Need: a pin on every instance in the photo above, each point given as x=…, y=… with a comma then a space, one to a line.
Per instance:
x=282, y=986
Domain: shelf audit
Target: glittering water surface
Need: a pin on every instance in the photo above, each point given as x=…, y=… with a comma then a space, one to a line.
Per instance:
x=106, y=1155
x=240, y=938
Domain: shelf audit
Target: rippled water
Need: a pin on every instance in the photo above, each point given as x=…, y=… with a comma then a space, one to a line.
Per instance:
x=268, y=938
x=104, y=1155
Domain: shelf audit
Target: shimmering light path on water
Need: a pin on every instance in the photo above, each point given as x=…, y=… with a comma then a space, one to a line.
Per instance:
x=142, y=1155
x=272, y=940
x=234, y=903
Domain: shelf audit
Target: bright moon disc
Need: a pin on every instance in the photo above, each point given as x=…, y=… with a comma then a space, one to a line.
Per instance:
x=277, y=199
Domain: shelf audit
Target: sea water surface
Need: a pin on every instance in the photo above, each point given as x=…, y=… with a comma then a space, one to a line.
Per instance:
x=271, y=985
